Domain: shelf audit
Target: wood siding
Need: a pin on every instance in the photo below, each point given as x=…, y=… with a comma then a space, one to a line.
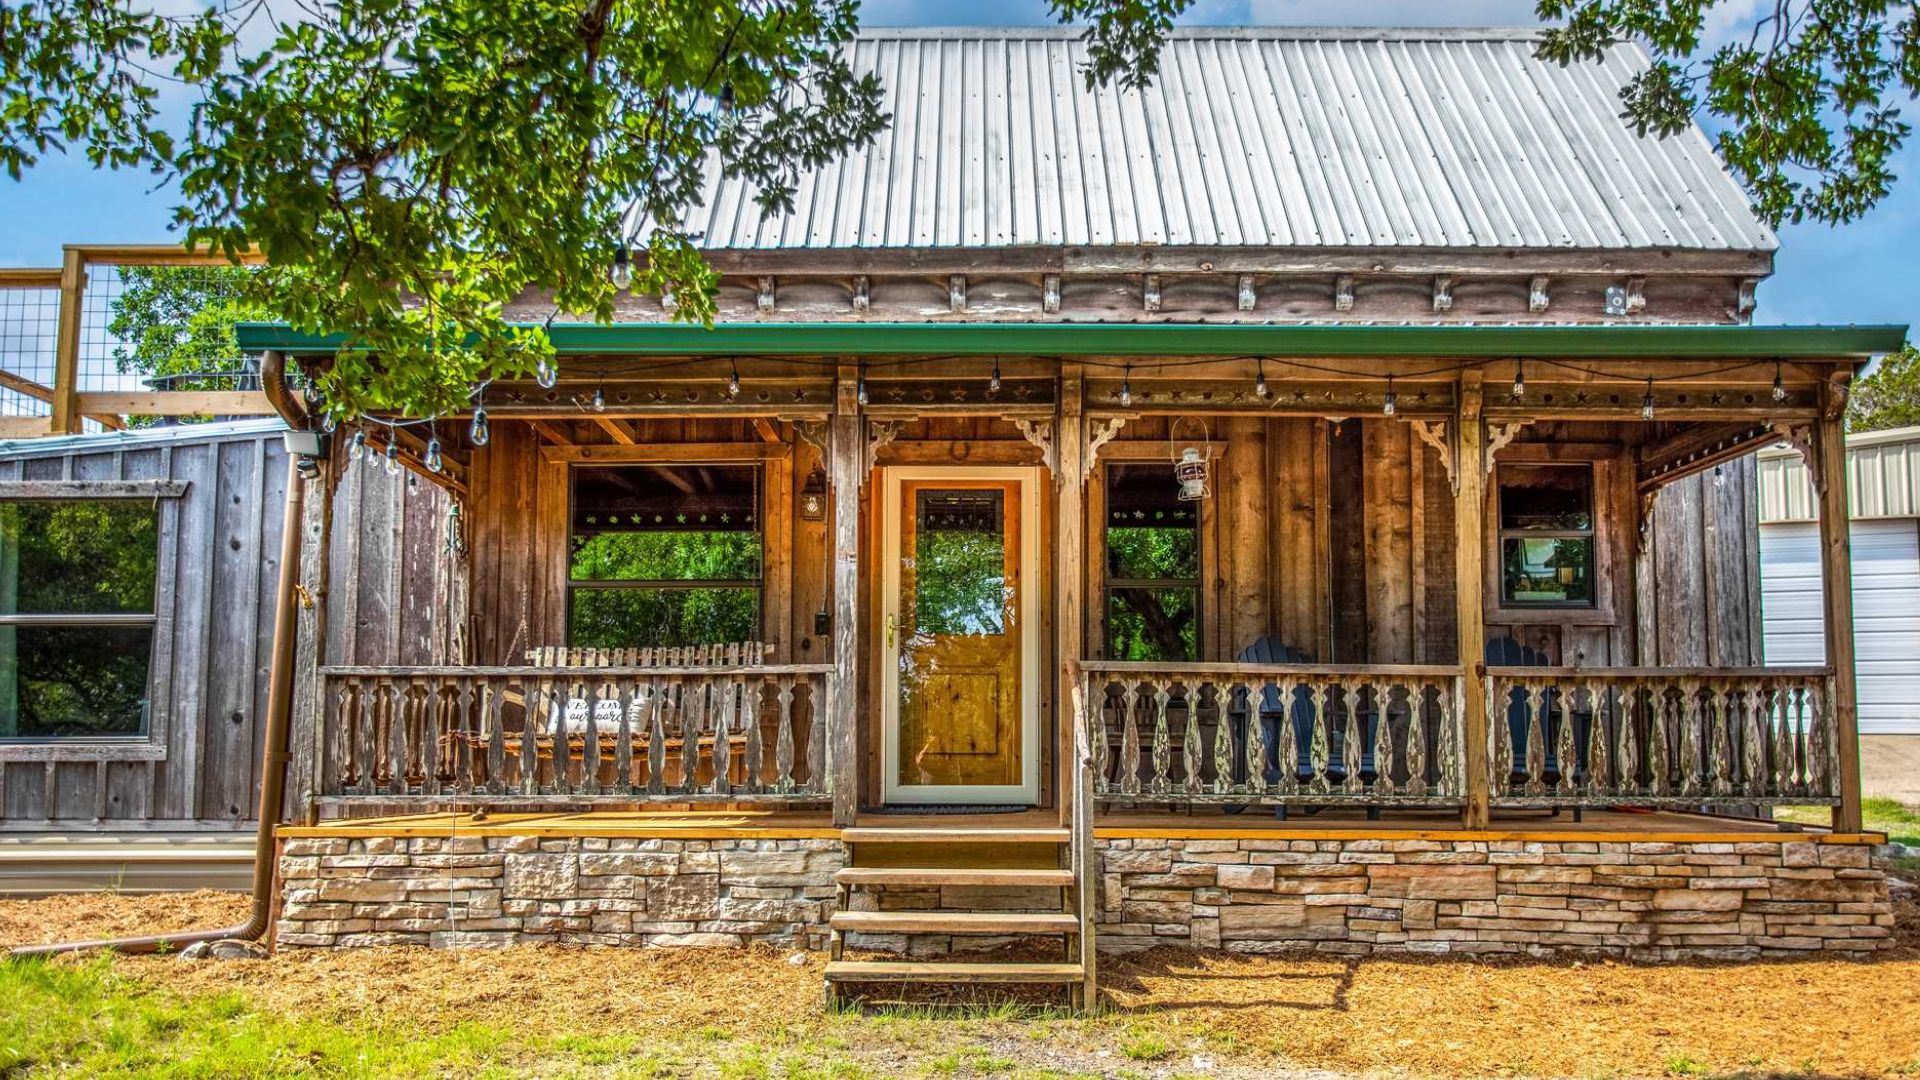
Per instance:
x=214, y=597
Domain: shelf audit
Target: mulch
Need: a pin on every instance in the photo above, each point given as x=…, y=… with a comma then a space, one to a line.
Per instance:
x=1447, y=1017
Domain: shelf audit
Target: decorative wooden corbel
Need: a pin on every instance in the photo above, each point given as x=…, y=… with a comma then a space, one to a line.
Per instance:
x=1343, y=293
x=1537, y=296
x=957, y=292
x=1150, y=293
x=879, y=434
x=1498, y=436
x=765, y=298
x=1040, y=434
x=1099, y=434
x=1050, y=293
x=1442, y=293
x=1434, y=434
x=1648, y=499
x=1248, y=297
x=1800, y=437
x=1636, y=295
x=813, y=433
x=862, y=293
x=1745, y=301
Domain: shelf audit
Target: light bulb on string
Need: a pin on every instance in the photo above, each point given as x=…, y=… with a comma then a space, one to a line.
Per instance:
x=1519, y=380
x=1260, y=381
x=478, y=433
x=392, y=462
x=1126, y=386
x=1391, y=400
x=1646, y=403
x=733, y=379
x=433, y=460
x=1779, y=387
x=622, y=275
x=358, y=446
x=599, y=399
x=546, y=374
x=993, y=381
x=328, y=422
x=860, y=388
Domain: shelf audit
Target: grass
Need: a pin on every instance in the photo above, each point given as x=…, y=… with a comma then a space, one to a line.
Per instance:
x=1900, y=822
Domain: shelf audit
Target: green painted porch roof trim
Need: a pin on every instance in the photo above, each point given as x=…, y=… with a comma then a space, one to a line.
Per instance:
x=1171, y=339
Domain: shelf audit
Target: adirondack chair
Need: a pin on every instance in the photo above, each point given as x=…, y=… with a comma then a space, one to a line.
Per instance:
x=574, y=716
x=1297, y=716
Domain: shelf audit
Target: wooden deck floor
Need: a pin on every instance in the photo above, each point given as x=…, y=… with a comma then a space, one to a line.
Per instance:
x=1598, y=825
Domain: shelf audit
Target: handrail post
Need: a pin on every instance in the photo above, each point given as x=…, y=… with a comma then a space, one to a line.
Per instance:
x=1469, y=542
x=1836, y=571
x=1070, y=615
x=66, y=344
x=1086, y=858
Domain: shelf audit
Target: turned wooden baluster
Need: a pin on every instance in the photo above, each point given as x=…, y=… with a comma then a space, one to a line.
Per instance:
x=1383, y=758
x=1779, y=705
x=1565, y=751
x=1449, y=769
x=1536, y=705
x=1097, y=703
x=1597, y=782
x=693, y=709
x=433, y=709
x=1320, y=746
x=783, y=734
x=1162, y=738
x=399, y=702
x=1223, y=736
x=592, y=694
x=1417, y=734
x=1352, y=743
x=1129, y=739
x=1695, y=714
x=1659, y=760
x=1190, y=743
x=751, y=689
x=1754, y=730
x=1500, y=748
x=625, y=694
x=659, y=693
x=817, y=781
x=725, y=699
x=1285, y=753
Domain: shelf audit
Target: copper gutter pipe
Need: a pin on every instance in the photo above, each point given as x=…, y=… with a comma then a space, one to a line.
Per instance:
x=273, y=767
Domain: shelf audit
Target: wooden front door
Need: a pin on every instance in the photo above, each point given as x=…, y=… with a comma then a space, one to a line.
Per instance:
x=959, y=635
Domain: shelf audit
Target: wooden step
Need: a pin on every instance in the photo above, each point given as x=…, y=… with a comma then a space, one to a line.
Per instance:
x=929, y=875
x=915, y=971
x=922, y=835
x=955, y=922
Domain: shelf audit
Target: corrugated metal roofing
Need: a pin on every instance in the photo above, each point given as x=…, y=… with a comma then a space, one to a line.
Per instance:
x=1272, y=137
x=1883, y=471
x=136, y=438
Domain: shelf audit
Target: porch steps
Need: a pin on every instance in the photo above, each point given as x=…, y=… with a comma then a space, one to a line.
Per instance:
x=1010, y=882
x=954, y=922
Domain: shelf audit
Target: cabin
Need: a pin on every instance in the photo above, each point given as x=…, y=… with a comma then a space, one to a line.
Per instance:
x=1308, y=504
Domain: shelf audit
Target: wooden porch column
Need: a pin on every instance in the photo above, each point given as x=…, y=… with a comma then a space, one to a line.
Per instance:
x=847, y=452
x=1836, y=583
x=66, y=344
x=1469, y=541
x=1069, y=581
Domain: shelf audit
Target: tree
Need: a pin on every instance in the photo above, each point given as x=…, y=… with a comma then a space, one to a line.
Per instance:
x=1808, y=100
x=1889, y=396
x=174, y=322
x=409, y=166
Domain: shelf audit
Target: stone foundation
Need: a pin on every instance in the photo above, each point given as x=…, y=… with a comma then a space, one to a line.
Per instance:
x=1645, y=899
x=507, y=890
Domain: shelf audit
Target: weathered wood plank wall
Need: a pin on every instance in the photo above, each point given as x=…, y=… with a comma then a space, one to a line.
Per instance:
x=214, y=597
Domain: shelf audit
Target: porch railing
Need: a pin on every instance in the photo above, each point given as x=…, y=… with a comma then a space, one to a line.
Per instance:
x=669, y=734
x=1661, y=736
x=1274, y=734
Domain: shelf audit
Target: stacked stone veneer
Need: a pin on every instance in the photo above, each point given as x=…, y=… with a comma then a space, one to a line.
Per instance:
x=505, y=890
x=1648, y=899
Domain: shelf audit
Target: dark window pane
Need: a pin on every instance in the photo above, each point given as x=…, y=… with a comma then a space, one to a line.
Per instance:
x=960, y=563
x=1547, y=570
x=666, y=556
x=642, y=617
x=81, y=557
x=73, y=680
x=1153, y=624
x=1549, y=498
x=1154, y=554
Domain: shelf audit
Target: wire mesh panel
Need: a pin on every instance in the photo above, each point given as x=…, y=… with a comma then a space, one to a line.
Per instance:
x=29, y=318
x=163, y=327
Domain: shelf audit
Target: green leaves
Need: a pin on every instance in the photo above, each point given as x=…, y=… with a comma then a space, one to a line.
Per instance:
x=1807, y=98
x=1889, y=396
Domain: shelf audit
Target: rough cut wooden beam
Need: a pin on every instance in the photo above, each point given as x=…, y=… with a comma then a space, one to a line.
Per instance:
x=176, y=403
x=668, y=453
x=617, y=428
x=846, y=452
x=768, y=432
x=1469, y=546
x=1836, y=580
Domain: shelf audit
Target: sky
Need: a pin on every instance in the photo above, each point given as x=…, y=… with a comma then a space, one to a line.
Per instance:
x=1863, y=272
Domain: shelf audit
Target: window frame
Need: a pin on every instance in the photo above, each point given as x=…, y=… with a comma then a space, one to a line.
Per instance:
x=1591, y=534
x=765, y=466
x=1604, y=461
x=150, y=745
x=1150, y=454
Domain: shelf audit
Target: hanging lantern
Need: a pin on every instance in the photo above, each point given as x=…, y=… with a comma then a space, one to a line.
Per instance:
x=1191, y=471
x=813, y=497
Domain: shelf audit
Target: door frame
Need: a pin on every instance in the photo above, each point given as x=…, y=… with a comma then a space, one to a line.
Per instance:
x=892, y=792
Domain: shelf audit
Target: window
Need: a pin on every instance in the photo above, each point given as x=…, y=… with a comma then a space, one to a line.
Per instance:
x=1153, y=566
x=664, y=555
x=1546, y=535
x=76, y=616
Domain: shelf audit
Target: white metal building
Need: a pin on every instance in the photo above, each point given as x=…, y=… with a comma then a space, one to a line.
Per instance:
x=1883, y=470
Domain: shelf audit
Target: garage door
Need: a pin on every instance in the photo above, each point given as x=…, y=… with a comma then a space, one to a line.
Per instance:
x=1886, y=613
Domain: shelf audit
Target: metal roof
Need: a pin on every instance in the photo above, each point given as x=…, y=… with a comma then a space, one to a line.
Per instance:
x=1883, y=478
x=136, y=438
x=1269, y=137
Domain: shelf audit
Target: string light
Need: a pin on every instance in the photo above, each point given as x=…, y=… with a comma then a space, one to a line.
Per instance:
x=1646, y=403
x=993, y=381
x=1519, y=379
x=392, y=463
x=478, y=433
x=357, y=447
x=1392, y=399
x=1260, y=380
x=622, y=268
x=599, y=399
x=328, y=422
x=733, y=379
x=433, y=460
x=860, y=390
x=546, y=375
x=1779, y=388
x=1126, y=386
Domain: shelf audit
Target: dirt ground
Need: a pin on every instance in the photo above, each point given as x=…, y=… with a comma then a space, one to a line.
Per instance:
x=1447, y=1017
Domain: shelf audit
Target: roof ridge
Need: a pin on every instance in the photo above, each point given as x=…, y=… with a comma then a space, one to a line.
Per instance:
x=1287, y=33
